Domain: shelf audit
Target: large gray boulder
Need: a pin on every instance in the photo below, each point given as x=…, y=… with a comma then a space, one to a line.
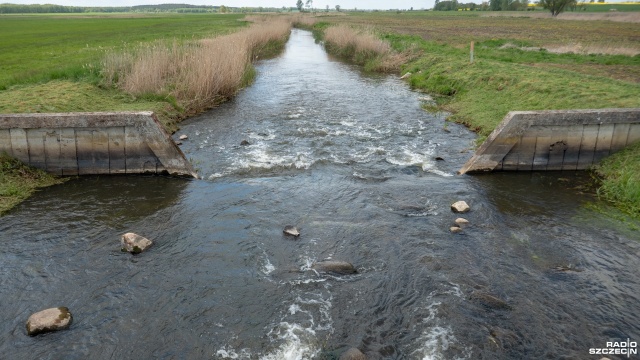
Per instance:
x=134, y=243
x=47, y=320
x=337, y=267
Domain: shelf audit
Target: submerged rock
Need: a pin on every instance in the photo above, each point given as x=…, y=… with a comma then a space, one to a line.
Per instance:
x=353, y=354
x=460, y=207
x=455, y=229
x=134, y=243
x=331, y=266
x=245, y=143
x=291, y=230
x=504, y=339
x=47, y=320
x=462, y=222
x=489, y=301
x=183, y=137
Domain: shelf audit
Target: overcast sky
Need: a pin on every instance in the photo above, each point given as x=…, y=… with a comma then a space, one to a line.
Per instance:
x=318, y=4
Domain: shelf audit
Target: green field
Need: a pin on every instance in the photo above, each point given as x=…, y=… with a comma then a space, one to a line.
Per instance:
x=611, y=6
x=38, y=48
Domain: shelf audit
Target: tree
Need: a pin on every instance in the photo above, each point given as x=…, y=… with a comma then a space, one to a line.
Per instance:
x=556, y=6
x=299, y=5
x=309, y=4
x=338, y=8
x=327, y=9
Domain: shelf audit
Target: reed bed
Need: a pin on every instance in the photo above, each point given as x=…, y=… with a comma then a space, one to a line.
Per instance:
x=197, y=74
x=303, y=21
x=363, y=47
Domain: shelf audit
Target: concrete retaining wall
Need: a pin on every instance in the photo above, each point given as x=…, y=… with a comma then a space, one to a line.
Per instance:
x=92, y=143
x=555, y=140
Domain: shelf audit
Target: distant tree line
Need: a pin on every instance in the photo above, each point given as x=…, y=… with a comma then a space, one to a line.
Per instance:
x=179, y=8
x=491, y=5
x=554, y=6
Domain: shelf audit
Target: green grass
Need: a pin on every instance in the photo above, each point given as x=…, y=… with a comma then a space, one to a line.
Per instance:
x=40, y=48
x=18, y=182
x=620, y=180
x=608, y=7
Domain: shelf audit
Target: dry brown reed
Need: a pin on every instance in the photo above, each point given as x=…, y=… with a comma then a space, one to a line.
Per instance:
x=592, y=49
x=303, y=21
x=576, y=48
x=198, y=74
x=364, y=47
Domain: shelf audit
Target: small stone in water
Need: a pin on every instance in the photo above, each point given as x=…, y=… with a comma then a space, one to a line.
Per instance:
x=460, y=207
x=291, y=230
x=353, y=354
x=183, y=137
x=47, y=320
x=245, y=143
x=134, y=243
x=337, y=267
x=455, y=229
x=461, y=222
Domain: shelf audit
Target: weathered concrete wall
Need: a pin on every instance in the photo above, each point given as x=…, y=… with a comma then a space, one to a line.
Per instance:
x=555, y=140
x=92, y=143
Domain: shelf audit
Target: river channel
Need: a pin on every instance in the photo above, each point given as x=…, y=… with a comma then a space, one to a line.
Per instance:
x=368, y=177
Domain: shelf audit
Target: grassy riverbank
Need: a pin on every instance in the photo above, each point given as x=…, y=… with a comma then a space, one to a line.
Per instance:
x=520, y=64
x=18, y=182
x=176, y=65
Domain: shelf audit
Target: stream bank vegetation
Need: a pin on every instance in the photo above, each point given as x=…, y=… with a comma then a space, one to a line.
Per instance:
x=520, y=64
x=18, y=181
x=194, y=63
x=196, y=75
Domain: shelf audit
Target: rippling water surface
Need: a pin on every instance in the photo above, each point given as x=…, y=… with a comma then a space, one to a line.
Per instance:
x=351, y=160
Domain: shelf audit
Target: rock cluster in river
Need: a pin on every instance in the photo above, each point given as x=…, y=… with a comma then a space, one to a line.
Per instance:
x=134, y=243
x=47, y=320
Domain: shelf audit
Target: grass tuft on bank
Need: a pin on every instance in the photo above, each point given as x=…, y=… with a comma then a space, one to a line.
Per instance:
x=18, y=181
x=620, y=180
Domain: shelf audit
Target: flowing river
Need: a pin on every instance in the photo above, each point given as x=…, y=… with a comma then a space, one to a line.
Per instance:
x=368, y=177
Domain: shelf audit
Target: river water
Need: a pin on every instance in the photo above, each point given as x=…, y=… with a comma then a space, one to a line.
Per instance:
x=351, y=160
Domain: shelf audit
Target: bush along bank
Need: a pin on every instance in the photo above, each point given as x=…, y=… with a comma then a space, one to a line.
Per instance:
x=480, y=93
